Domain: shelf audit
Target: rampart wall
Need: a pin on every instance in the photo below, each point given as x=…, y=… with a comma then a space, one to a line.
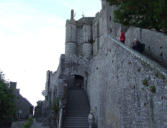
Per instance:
x=125, y=89
x=155, y=42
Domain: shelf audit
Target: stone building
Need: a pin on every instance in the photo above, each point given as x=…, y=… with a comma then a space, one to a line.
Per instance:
x=23, y=106
x=125, y=89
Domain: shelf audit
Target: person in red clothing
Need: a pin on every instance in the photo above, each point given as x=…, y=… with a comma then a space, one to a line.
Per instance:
x=122, y=37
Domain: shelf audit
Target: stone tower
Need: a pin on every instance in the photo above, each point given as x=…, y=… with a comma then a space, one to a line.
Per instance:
x=70, y=44
x=107, y=14
x=79, y=36
x=103, y=4
x=87, y=37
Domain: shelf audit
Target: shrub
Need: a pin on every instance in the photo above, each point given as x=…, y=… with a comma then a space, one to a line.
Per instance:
x=28, y=123
x=145, y=82
x=7, y=104
x=153, y=89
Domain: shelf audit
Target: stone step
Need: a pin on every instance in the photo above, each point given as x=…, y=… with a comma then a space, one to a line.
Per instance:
x=74, y=126
x=75, y=119
x=69, y=119
x=81, y=123
x=77, y=110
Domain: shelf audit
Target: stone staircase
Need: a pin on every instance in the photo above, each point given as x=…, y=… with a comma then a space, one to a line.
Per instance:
x=77, y=109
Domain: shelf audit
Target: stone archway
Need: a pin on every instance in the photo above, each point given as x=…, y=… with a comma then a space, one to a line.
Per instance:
x=79, y=81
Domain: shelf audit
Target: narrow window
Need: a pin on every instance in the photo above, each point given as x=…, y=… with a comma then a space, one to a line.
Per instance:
x=110, y=18
x=110, y=30
x=161, y=54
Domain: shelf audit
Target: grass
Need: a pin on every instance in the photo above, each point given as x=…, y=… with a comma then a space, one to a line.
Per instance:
x=28, y=123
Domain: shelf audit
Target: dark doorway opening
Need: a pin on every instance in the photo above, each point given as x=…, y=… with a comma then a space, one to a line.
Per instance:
x=78, y=82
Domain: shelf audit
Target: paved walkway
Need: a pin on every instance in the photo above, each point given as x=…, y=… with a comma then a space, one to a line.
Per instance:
x=38, y=125
x=18, y=124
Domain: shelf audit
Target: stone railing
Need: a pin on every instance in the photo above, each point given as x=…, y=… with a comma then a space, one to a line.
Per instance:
x=62, y=104
x=143, y=58
x=60, y=122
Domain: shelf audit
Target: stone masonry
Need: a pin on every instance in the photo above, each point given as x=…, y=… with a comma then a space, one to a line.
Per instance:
x=125, y=88
x=24, y=107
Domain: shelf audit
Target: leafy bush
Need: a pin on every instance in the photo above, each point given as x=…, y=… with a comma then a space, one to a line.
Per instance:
x=153, y=89
x=141, y=13
x=7, y=104
x=28, y=123
x=145, y=82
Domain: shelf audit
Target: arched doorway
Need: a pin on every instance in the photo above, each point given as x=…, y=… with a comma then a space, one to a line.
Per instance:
x=77, y=82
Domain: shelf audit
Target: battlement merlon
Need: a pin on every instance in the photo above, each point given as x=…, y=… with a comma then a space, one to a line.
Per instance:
x=72, y=14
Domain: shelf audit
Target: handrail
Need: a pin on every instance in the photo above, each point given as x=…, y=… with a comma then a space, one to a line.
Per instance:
x=148, y=61
x=60, y=118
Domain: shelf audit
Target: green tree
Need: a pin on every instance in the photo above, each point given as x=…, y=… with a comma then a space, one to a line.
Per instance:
x=7, y=105
x=141, y=13
x=160, y=13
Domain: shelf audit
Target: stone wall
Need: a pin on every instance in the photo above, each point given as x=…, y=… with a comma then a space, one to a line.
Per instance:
x=155, y=42
x=22, y=104
x=79, y=37
x=125, y=89
x=87, y=33
x=87, y=50
x=53, y=90
x=95, y=28
x=71, y=30
x=76, y=66
x=53, y=87
x=55, y=81
x=71, y=49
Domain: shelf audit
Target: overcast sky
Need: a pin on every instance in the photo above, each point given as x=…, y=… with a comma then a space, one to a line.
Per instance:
x=32, y=37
